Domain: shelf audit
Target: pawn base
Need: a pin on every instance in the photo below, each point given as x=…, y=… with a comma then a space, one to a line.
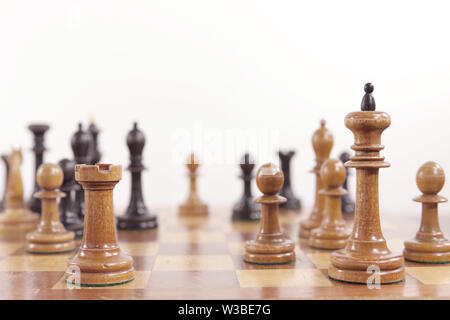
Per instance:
x=364, y=277
x=427, y=252
x=193, y=209
x=306, y=227
x=329, y=238
x=57, y=242
x=20, y=220
x=269, y=252
x=143, y=222
x=50, y=247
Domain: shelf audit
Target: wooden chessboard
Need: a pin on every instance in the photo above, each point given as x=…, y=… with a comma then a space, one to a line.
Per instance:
x=196, y=258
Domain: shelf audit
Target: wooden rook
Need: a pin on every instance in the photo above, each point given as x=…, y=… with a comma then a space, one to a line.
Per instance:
x=50, y=235
x=245, y=208
x=322, y=142
x=270, y=246
x=293, y=202
x=94, y=155
x=69, y=218
x=80, y=143
x=347, y=203
x=193, y=206
x=5, y=162
x=16, y=216
x=38, y=131
x=366, y=248
x=99, y=260
x=430, y=244
x=332, y=233
x=137, y=215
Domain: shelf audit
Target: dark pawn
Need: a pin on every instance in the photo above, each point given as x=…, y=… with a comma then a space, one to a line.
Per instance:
x=94, y=154
x=286, y=191
x=81, y=141
x=347, y=204
x=68, y=217
x=5, y=161
x=137, y=215
x=38, y=131
x=245, y=208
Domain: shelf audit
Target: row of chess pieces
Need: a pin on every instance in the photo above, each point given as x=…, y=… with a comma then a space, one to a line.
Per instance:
x=101, y=262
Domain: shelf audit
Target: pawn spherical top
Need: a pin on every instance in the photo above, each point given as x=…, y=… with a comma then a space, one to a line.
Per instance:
x=332, y=173
x=269, y=179
x=430, y=178
x=49, y=176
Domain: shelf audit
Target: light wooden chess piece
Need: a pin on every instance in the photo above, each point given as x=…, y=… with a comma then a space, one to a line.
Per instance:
x=322, y=142
x=332, y=233
x=366, y=251
x=16, y=217
x=430, y=244
x=193, y=206
x=270, y=246
x=99, y=261
x=50, y=235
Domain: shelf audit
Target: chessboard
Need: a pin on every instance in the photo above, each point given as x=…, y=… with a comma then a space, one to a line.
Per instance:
x=201, y=258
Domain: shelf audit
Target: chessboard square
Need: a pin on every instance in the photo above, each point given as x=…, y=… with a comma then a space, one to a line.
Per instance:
x=8, y=248
x=199, y=280
x=35, y=263
x=432, y=275
x=192, y=248
x=140, y=282
x=140, y=248
x=282, y=278
x=244, y=226
x=236, y=248
x=320, y=259
x=193, y=262
x=193, y=236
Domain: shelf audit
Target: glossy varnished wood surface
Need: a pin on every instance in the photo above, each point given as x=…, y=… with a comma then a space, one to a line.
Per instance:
x=201, y=258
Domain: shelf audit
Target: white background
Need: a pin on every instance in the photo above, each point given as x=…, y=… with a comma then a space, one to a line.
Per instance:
x=227, y=65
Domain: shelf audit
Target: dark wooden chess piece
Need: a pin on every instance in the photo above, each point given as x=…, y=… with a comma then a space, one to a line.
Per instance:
x=69, y=218
x=99, y=261
x=193, y=206
x=245, y=208
x=5, y=162
x=430, y=245
x=347, y=203
x=137, y=215
x=38, y=131
x=50, y=235
x=16, y=217
x=80, y=143
x=322, y=141
x=286, y=191
x=366, y=246
x=332, y=233
x=270, y=245
x=94, y=155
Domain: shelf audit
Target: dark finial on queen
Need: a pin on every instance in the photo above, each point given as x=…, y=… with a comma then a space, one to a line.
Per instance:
x=368, y=101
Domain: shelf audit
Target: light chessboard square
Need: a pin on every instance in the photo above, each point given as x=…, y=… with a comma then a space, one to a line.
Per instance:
x=140, y=282
x=9, y=248
x=140, y=248
x=35, y=263
x=431, y=275
x=194, y=236
x=320, y=259
x=193, y=262
x=282, y=278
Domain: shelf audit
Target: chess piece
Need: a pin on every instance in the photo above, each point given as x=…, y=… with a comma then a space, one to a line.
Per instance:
x=270, y=246
x=2, y=203
x=332, y=233
x=99, y=260
x=245, y=208
x=137, y=215
x=50, y=235
x=94, y=154
x=193, y=206
x=69, y=218
x=347, y=203
x=38, y=131
x=80, y=143
x=322, y=142
x=430, y=244
x=16, y=216
x=286, y=191
x=366, y=248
